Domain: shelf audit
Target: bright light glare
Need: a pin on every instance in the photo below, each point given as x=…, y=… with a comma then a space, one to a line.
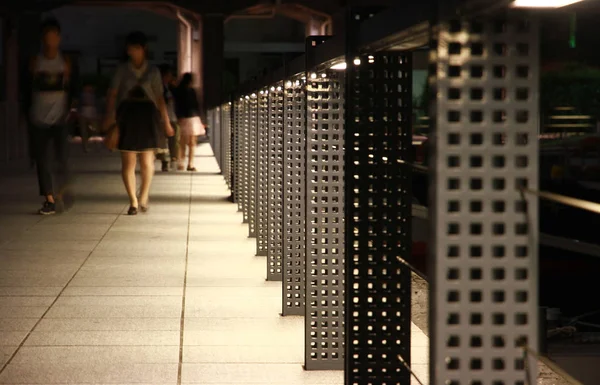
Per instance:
x=543, y=3
x=313, y=75
x=339, y=66
x=288, y=84
x=357, y=62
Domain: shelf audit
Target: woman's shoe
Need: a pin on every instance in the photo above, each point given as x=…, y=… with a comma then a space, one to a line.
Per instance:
x=180, y=167
x=190, y=168
x=132, y=211
x=144, y=208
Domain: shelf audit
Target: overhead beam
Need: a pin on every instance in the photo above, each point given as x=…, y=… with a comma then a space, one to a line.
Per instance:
x=239, y=47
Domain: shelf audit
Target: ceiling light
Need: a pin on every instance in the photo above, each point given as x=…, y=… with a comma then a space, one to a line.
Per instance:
x=543, y=3
x=339, y=66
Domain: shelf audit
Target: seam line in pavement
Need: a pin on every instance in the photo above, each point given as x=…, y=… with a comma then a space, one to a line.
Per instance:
x=60, y=293
x=187, y=254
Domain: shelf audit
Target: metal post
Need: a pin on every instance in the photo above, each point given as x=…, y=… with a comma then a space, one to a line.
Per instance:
x=378, y=191
x=235, y=148
x=325, y=222
x=252, y=163
x=244, y=156
x=226, y=142
x=294, y=214
x=262, y=183
x=275, y=209
x=484, y=260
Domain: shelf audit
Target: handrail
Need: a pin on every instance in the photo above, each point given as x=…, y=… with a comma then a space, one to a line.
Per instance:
x=565, y=200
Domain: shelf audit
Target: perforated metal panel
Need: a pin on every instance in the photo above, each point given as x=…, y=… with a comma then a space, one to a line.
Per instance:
x=294, y=212
x=275, y=211
x=262, y=212
x=244, y=157
x=210, y=121
x=484, y=283
x=378, y=219
x=236, y=126
x=252, y=163
x=216, y=134
x=325, y=223
x=226, y=143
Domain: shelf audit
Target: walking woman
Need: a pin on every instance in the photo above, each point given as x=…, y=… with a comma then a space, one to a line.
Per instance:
x=188, y=115
x=135, y=103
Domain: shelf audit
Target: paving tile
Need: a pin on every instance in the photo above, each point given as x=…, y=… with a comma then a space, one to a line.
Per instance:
x=256, y=374
x=112, y=311
x=79, y=219
x=90, y=373
x=22, y=311
x=140, y=281
x=5, y=353
x=139, y=247
x=122, y=291
x=26, y=301
x=109, y=324
x=47, y=245
x=244, y=354
x=17, y=324
x=50, y=291
x=12, y=338
x=104, y=338
x=199, y=306
x=43, y=256
x=267, y=289
x=123, y=301
x=98, y=355
x=15, y=282
x=118, y=270
x=65, y=232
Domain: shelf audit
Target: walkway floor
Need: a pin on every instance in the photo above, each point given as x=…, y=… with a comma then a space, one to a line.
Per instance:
x=175, y=296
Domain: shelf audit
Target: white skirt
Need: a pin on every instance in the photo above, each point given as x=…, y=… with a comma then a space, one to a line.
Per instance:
x=192, y=126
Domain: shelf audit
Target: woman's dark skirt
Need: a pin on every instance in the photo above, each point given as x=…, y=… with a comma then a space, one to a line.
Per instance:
x=139, y=123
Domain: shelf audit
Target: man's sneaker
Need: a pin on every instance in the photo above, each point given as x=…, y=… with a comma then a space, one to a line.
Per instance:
x=48, y=209
x=165, y=166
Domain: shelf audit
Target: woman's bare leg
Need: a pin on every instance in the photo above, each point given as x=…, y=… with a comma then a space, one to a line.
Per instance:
x=192, y=144
x=147, y=168
x=128, y=163
x=182, y=146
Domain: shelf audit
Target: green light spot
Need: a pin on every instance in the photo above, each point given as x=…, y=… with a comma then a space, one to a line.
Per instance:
x=573, y=31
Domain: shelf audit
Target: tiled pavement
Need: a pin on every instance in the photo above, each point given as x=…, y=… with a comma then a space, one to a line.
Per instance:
x=95, y=297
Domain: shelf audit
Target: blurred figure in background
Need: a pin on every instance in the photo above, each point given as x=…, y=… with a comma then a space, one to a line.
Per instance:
x=88, y=114
x=188, y=116
x=48, y=110
x=173, y=141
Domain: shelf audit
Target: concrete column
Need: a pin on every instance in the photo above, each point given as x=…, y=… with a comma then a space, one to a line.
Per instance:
x=314, y=28
x=212, y=72
x=183, y=48
x=197, y=61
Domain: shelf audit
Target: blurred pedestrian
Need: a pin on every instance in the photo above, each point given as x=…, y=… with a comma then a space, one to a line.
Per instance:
x=190, y=123
x=50, y=101
x=135, y=104
x=173, y=141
